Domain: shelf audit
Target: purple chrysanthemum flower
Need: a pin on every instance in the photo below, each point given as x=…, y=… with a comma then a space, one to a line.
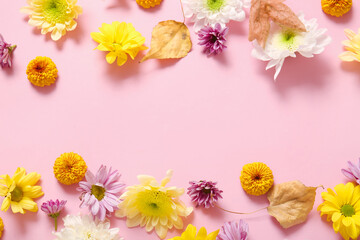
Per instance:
x=353, y=172
x=204, y=193
x=53, y=209
x=213, y=39
x=5, y=52
x=235, y=230
x=101, y=192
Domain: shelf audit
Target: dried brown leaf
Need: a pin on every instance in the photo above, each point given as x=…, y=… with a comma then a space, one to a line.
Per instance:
x=170, y=39
x=291, y=202
x=284, y=16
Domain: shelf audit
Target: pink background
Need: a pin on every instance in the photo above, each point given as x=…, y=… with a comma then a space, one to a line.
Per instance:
x=203, y=117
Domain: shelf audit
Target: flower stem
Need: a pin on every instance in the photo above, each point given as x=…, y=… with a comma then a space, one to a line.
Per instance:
x=240, y=212
x=56, y=223
x=182, y=10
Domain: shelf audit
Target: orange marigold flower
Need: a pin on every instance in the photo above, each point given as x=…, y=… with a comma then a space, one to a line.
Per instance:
x=69, y=168
x=256, y=178
x=148, y=3
x=336, y=8
x=42, y=71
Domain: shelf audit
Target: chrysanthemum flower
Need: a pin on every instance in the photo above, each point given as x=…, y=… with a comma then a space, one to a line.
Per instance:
x=210, y=12
x=69, y=168
x=6, y=50
x=235, y=230
x=119, y=39
x=352, y=46
x=100, y=193
x=55, y=16
x=190, y=234
x=204, y=193
x=42, y=71
x=148, y=3
x=1, y=226
x=336, y=8
x=86, y=228
x=256, y=178
x=342, y=207
x=283, y=43
x=19, y=191
x=53, y=209
x=153, y=205
x=213, y=39
x=353, y=172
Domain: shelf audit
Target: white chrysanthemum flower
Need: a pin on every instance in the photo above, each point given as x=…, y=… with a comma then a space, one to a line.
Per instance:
x=210, y=12
x=283, y=43
x=85, y=228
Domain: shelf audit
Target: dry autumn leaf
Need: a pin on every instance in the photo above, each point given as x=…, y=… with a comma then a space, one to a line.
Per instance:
x=262, y=11
x=291, y=202
x=170, y=39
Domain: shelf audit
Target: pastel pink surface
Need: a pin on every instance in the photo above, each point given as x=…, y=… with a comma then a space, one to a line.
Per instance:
x=203, y=117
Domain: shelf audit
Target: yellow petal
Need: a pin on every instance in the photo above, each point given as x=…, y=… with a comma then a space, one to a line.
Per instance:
x=20, y=172
x=5, y=204
x=111, y=57
x=213, y=235
x=201, y=234
x=349, y=33
x=29, y=180
x=98, y=37
x=32, y=191
x=28, y=204
x=16, y=208
x=122, y=58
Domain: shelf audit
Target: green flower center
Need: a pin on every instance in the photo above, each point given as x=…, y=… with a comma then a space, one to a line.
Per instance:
x=289, y=40
x=215, y=5
x=347, y=210
x=17, y=194
x=55, y=11
x=98, y=192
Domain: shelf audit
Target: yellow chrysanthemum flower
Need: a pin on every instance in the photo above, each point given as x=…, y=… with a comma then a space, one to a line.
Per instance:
x=1, y=227
x=336, y=8
x=352, y=46
x=256, y=178
x=19, y=191
x=55, y=16
x=153, y=206
x=69, y=168
x=119, y=39
x=42, y=71
x=190, y=234
x=342, y=207
x=148, y=3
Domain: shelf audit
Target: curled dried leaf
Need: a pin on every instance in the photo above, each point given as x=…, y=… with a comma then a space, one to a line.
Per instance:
x=170, y=39
x=291, y=202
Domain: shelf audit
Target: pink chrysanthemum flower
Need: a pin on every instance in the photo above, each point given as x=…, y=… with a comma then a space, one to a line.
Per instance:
x=204, y=193
x=101, y=192
x=235, y=230
x=353, y=172
x=6, y=50
x=53, y=209
x=213, y=39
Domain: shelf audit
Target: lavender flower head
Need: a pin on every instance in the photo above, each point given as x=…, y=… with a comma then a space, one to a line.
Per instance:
x=53, y=208
x=353, y=172
x=213, y=39
x=235, y=230
x=100, y=192
x=5, y=52
x=204, y=193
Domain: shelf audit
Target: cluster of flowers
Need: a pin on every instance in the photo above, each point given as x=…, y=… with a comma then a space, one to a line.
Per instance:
x=149, y=204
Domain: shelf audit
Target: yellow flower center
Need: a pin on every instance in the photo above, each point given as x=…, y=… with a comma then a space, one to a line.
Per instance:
x=154, y=203
x=98, y=192
x=17, y=194
x=289, y=40
x=214, y=5
x=55, y=11
x=347, y=210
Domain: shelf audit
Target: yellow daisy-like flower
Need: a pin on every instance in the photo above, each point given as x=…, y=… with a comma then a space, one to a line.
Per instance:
x=119, y=39
x=342, y=207
x=69, y=168
x=148, y=3
x=153, y=205
x=1, y=227
x=336, y=8
x=42, y=71
x=256, y=178
x=352, y=46
x=190, y=234
x=55, y=16
x=19, y=191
